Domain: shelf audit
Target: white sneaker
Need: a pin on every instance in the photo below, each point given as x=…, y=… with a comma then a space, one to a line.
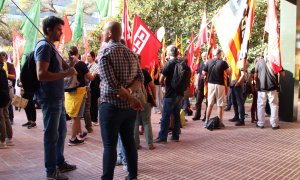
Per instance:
x=3, y=145
x=9, y=142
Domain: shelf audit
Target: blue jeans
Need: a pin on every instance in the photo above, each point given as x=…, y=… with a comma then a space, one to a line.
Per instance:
x=121, y=151
x=55, y=130
x=114, y=121
x=238, y=102
x=170, y=106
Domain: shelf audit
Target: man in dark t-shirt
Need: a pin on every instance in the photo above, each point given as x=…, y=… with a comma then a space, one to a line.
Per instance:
x=172, y=101
x=214, y=70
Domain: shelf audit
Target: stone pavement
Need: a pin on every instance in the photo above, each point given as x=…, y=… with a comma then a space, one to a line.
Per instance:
x=231, y=153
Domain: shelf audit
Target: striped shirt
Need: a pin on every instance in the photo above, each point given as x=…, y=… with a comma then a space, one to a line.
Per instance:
x=118, y=67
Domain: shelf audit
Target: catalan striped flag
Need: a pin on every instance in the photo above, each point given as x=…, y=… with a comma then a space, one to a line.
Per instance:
x=202, y=38
x=227, y=23
x=163, y=53
x=178, y=44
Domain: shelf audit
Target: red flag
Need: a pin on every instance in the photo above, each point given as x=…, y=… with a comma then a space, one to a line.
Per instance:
x=86, y=45
x=66, y=36
x=144, y=42
x=190, y=54
x=125, y=26
x=202, y=37
x=18, y=47
x=274, y=54
x=212, y=43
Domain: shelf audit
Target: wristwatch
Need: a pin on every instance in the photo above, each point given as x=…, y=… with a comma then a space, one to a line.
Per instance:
x=130, y=91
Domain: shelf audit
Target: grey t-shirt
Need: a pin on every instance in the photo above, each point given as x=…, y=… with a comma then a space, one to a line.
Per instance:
x=267, y=81
x=49, y=89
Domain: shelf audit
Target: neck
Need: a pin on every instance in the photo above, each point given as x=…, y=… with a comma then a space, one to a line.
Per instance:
x=50, y=39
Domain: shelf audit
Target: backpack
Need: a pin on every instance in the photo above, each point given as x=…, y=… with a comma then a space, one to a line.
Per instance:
x=181, y=77
x=28, y=75
x=247, y=87
x=214, y=123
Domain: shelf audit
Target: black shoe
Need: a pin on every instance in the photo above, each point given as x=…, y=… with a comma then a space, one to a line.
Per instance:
x=275, y=128
x=75, y=142
x=196, y=118
x=128, y=178
x=233, y=120
x=260, y=127
x=56, y=175
x=65, y=167
x=157, y=140
x=32, y=125
x=26, y=124
x=174, y=140
x=204, y=119
x=227, y=109
x=240, y=123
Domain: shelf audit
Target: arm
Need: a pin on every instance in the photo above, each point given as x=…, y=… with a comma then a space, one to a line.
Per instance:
x=44, y=75
x=162, y=79
x=196, y=80
x=90, y=76
x=228, y=71
x=241, y=79
x=11, y=76
x=153, y=89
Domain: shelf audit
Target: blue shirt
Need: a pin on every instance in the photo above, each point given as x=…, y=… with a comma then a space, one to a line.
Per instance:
x=44, y=51
x=118, y=67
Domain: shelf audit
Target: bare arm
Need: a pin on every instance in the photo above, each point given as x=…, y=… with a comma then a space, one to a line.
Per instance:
x=153, y=89
x=241, y=79
x=228, y=71
x=44, y=75
x=162, y=79
x=90, y=76
x=11, y=76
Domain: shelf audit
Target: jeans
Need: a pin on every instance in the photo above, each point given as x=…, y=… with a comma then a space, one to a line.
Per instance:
x=5, y=126
x=94, y=107
x=254, y=107
x=238, y=102
x=145, y=118
x=229, y=98
x=159, y=96
x=55, y=130
x=121, y=151
x=262, y=98
x=170, y=106
x=114, y=121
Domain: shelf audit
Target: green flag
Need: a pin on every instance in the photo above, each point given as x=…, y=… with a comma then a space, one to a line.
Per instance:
x=78, y=23
x=102, y=6
x=1, y=4
x=29, y=31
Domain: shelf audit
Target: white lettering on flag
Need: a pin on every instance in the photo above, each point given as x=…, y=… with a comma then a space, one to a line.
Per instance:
x=140, y=39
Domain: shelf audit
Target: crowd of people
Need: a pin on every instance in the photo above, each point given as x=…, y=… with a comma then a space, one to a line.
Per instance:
x=114, y=91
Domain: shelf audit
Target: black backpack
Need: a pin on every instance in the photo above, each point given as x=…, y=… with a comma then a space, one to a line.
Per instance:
x=28, y=75
x=181, y=77
x=213, y=123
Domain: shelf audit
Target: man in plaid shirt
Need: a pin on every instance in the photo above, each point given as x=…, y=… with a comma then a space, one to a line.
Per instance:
x=120, y=76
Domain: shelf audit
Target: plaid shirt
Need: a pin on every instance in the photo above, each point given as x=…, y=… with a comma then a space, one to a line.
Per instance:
x=118, y=68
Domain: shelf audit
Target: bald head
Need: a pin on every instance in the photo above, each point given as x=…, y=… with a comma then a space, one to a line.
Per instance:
x=112, y=30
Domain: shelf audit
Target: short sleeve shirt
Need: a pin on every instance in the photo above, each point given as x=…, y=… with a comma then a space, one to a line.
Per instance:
x=82, y=70
x=216, y=72
x=49, y=89
x=147, y=78
x=266, y=79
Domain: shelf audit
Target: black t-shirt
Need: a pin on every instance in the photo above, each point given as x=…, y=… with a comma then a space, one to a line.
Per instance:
x=168, y=71
x=81, y=69
x=156, y=73
x=147, y=78
x=216, y=73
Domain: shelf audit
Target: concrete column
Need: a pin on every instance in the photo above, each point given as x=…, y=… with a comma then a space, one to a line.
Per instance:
x=288, y=97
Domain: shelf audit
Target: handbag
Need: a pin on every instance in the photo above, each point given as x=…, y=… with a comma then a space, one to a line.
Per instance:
x=71, y=83
x=19, y=102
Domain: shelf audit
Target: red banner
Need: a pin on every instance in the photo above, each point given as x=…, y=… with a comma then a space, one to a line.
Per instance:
x=125, y=26
x=66, y=36
x=144, y=42
x=18, y=47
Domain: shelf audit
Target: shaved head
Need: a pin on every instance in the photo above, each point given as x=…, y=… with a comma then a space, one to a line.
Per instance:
x=112, y=30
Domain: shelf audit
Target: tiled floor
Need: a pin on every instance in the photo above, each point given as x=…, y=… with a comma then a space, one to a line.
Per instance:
x=232, y=153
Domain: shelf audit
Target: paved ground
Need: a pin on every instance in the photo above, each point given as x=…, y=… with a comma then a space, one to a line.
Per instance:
x=232, y=153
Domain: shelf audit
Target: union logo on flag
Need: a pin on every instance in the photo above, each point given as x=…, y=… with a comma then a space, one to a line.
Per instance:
x=140, y=39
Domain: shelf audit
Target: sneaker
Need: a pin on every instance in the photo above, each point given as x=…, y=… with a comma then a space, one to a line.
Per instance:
x=75, y=142
x=205, y=124
x=260, y=127
x=9, y=142
x=56, y=175
x=174, y=140
x=275, y=128
x=83, y=135
x=65, y=167
x=125, y=168
x=3, y=145
x=32, y=125
x=240, y=123
x=27, y=124
x=157, y=140
x=95, y=123
x=196, y=118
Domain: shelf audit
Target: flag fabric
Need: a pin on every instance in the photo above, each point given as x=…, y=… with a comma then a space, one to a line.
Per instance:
x=271, y=26
x=247, y=34
x=202, y=37
x=190, y=53
x=2, y=4
x=66, y=36
x=86, y=45
x=212, y=43
x=163, y=53
x=78, y=23
x=102, y=7
x=125, y=26
x=18, y=47
x=28, y=30
x=227, y=23
x=178, y=45
x=144, y=42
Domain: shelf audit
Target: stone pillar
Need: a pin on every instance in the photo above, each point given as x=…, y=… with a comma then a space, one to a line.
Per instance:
x=289, y=95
